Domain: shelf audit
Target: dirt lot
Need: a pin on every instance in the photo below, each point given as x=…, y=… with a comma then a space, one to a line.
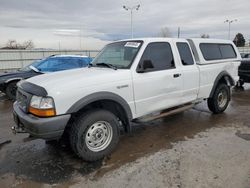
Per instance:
x=190, y=149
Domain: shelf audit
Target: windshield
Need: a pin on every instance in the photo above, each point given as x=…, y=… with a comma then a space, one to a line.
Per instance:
x=34, y=64
x=53, y=64
x=118, y=54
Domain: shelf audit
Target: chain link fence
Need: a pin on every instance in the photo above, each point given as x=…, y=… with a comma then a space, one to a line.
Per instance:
x=16, y=59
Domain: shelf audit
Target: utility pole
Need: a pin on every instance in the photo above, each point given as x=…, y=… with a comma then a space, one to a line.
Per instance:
x=179, y=32
x=80, y=39
x=229, y=26
x=59, y=46
x=131, y=9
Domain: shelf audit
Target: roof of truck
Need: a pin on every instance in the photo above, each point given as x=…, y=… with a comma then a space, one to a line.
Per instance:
x=195, y=46
x=207, y=40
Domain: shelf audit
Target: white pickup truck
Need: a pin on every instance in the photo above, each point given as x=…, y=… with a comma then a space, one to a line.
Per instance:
x=130, y=80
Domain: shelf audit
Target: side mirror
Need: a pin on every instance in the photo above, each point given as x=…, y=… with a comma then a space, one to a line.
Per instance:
x=146, y=64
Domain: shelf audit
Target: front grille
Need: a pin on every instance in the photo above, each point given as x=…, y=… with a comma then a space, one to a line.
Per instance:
x=22, y=100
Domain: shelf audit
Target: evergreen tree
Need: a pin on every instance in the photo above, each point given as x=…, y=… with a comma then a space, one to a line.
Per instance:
x=239, y=40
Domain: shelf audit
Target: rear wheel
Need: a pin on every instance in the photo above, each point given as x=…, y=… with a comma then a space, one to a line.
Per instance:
x=94, y=135
x=11, y=90
x=220, y=99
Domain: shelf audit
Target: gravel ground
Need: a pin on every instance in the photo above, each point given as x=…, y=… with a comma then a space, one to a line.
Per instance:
x=216, y=158
x=191, y=149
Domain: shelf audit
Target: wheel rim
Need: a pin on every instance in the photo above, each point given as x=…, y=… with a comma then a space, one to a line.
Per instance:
x=99, y=136
x=222, y=98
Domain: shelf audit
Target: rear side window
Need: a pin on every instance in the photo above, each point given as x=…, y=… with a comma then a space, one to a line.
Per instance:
x=227, y=51
x=160, y=54
x=185, y=53
x=210, y=51
x=217, y=51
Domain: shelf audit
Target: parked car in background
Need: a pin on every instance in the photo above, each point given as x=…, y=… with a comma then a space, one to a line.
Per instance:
x=244, y=70
x=51, y=64
x=245, y=55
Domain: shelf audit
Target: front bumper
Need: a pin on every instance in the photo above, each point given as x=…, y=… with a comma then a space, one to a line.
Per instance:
x=46, y=128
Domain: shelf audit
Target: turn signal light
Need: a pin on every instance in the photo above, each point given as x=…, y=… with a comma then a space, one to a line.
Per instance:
x=42, y=112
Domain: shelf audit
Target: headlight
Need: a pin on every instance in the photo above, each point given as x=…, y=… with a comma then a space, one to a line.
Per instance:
x=42, y=106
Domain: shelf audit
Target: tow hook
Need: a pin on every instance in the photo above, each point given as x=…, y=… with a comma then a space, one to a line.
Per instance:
x=16, y=130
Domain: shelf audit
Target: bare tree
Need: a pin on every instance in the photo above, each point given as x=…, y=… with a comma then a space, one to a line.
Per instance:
x=165, y=32
x=13, y=44
x=205, y=35
x=28, y=45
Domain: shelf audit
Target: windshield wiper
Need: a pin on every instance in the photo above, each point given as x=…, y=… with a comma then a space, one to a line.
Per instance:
x=34, y=69
x=107, y=65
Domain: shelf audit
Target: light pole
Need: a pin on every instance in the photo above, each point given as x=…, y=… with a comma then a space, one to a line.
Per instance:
x=131, y=9
x=229, y=26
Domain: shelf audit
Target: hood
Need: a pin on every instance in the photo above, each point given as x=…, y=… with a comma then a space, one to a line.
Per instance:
x=9, y=73
x=79, y=78
x=14, y=74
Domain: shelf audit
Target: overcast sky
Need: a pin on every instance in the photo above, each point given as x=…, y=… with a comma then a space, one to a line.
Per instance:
x=54, y=23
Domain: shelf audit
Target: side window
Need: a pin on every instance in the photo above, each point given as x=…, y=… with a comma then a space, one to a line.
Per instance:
x=185, y=53
x=217, y=51
x=227, y=51
x=160, y=55
x=210, y=51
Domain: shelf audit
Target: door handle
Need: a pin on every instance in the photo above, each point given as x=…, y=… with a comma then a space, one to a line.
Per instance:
x=176, y=75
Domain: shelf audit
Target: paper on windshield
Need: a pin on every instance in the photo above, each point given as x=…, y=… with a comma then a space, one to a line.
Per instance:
x=132, y=44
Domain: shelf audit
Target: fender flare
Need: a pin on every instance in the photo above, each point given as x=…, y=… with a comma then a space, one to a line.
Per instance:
x=224, y=74
x=102, y=96
x=13, y=79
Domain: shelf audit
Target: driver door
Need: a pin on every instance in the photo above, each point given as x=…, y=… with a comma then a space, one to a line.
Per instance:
x=158, y=87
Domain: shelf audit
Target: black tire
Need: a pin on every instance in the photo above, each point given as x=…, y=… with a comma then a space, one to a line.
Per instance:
x=214, y=103
x=80, y=131
x=11, y=89
x=241, y=82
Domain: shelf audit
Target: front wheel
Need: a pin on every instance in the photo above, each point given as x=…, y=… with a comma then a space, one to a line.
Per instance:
x=11, y=89
x=220, y=99
x=94, y=135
